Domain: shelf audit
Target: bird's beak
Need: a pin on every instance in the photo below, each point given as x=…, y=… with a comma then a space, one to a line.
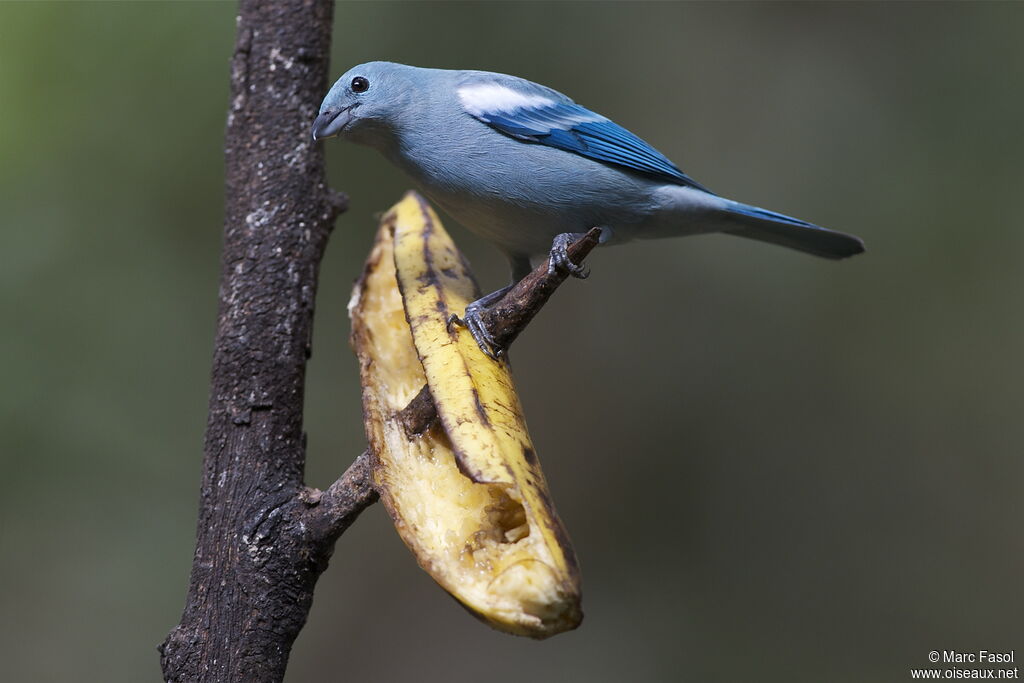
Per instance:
x=330, y=122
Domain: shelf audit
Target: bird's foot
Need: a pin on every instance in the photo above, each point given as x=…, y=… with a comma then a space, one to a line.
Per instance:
x=473, y=321
x=558, y=259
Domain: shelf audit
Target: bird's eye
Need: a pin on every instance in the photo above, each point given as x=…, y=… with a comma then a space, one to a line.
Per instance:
x=360, y=84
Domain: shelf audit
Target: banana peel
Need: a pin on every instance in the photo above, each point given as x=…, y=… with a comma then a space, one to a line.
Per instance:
x=466, y=495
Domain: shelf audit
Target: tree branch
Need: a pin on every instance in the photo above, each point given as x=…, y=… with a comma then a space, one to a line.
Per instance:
x=513, y=312
x=333, y=511
x=263, y=538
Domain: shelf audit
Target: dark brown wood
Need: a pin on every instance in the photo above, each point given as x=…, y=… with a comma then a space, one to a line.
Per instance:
x=263, y=538
x=420, y=414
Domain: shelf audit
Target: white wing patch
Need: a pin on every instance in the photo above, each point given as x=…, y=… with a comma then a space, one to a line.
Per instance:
x=559, y=122
x=491, y=98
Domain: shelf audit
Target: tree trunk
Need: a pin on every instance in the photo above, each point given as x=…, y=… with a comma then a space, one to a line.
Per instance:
x=263, y=538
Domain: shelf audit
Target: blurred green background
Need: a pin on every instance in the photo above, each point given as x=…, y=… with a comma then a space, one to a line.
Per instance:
x=773, y=467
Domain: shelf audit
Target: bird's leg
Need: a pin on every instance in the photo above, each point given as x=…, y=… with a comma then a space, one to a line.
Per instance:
x=558, y=259
x=472, y=319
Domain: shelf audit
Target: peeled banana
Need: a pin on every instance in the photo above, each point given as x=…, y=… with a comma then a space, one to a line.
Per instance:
x=467, y=495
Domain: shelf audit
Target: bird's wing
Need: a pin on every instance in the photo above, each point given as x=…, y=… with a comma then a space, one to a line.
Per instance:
x=533, y=113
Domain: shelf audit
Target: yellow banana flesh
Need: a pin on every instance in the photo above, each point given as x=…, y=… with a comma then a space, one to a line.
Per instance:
x=467, y=496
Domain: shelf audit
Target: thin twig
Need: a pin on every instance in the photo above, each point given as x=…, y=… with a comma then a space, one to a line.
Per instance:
x=506, y=319
x=514, y=311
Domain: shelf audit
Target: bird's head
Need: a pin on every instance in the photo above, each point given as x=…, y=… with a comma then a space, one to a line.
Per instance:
x=364, y=102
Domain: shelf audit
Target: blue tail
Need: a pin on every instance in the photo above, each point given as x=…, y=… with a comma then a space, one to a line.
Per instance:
x=768, y=226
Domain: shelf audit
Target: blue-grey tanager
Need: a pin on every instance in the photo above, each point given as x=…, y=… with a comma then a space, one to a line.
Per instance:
x=529, y=169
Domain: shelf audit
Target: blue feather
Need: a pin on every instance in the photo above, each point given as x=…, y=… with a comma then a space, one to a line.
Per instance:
x=570, y=127
x=776, y=228
x=757, y=212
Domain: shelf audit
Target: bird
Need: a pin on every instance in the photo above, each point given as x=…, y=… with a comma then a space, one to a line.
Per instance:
x=530, y=170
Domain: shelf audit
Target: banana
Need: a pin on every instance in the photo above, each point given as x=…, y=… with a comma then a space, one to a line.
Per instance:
x=467, y=495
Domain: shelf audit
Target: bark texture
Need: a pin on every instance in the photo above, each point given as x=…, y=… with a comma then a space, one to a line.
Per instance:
x=263, y=538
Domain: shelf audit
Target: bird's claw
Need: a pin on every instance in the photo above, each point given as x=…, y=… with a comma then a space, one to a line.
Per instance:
x=558, y=259
x=472, y=320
